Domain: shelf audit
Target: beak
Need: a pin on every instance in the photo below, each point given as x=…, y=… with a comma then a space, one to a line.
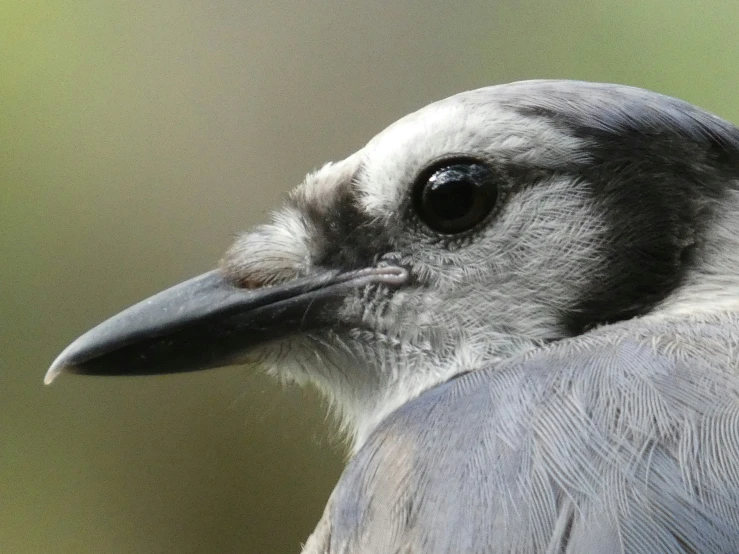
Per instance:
x=208, y=322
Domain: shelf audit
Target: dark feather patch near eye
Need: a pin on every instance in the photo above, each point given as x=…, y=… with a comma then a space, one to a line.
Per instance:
x=348, y=238
x=657, y=169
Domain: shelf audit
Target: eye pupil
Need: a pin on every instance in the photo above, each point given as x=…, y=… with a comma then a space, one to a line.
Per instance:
x=450, y=200
x=455, y=197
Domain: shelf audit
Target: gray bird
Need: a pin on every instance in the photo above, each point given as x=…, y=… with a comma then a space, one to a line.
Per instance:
x=523, y=304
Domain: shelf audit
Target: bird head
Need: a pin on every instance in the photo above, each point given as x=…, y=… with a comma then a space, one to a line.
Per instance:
x=479, y=227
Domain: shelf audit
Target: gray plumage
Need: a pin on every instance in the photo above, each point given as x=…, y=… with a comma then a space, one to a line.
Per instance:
x=623, y=440
x=559, y=376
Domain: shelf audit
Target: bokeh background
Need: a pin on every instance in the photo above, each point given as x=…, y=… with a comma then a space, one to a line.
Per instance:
x=137, y=137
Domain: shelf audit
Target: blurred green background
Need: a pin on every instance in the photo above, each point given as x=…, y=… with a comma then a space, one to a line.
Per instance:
x=137, y=137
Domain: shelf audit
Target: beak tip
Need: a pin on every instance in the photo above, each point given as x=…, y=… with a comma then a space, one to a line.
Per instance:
x=53, y=373
x=61, y=364
x=56, y=368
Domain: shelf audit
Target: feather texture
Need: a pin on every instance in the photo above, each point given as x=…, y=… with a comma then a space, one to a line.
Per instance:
x=623, y=440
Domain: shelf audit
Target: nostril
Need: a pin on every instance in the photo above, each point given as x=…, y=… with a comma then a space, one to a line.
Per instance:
x=255, y=274
x=267, y=256
x=250, y=283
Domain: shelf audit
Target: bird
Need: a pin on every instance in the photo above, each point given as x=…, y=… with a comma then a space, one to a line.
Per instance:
x=522, y=304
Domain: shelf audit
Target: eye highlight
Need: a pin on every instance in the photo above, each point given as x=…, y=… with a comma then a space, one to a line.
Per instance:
x=456, y=196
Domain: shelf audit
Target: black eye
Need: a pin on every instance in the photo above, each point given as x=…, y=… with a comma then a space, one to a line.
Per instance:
x=455, y=197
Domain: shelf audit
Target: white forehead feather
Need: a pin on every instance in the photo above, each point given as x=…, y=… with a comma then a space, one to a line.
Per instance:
x=319, y=187
x=472, y=123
